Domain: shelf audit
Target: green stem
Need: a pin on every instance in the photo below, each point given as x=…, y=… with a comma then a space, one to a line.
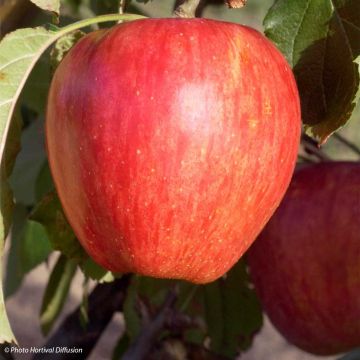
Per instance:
x=98, y=19
x=187, y=9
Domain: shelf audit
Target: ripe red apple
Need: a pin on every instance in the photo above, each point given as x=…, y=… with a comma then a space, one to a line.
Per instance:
x=171, y=142
x=306, y=263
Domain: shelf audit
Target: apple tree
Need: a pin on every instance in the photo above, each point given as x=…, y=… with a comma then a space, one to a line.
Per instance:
x=119, y=107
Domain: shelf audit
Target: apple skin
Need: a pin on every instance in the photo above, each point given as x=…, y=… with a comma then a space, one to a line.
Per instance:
x=305, y=265
x=171, y=143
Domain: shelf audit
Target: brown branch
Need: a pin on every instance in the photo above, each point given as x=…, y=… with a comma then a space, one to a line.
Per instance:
x=312, y=148
x=104, y=301
x=186, y=8
x=347, y=143
x=148, y=336
x=306, y=159
x=122, y=6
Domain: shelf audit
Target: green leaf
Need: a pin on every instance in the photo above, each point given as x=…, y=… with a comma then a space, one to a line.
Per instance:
x=6, y=194
x=48, y=5
x=214, y=315
x=146, y=294
x=96, y=272
x=49, y=213
x=44, y=183
x=84, y=306
x=131, y=314
x=121, y=346
x=63, y=46
x=29, y=246
x=7, y=205
x=320, y=39
x=153, y=290
x=28, y=163
x=56, y=292
x=19, y=52
x=35, y=91
x=232, y=311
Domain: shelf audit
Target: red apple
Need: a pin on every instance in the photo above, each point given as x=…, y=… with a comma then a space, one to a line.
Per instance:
x=171, y=143
x=306, y=263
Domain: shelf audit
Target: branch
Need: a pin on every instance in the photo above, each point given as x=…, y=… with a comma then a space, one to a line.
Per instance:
x=146, y=339
x=348, y=143
x=306, y=159
x=186, y=8
x=104, y=301
x=122, y=6
x=312, y=148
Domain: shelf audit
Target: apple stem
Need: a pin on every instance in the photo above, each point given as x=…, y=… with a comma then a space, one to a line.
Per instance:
x=122, y=7
x=186, y=9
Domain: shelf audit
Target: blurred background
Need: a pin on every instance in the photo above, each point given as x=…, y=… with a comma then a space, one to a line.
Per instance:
x=25, y=301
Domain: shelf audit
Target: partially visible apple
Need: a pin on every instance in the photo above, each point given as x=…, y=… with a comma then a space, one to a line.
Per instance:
x=171, y=143
x=306, y=263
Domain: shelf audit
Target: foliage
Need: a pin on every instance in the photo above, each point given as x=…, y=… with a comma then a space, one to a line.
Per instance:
x=320, y=40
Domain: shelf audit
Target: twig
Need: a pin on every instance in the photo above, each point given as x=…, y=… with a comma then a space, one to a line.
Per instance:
x=104, y=301
x=312, y=148
x=306, y=159
x=122, y=6
x=146, y=339
x=346, y=142
x=186, y=8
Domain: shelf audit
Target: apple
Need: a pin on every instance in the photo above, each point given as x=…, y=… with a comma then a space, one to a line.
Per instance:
x=171, y=143
x=305, y=265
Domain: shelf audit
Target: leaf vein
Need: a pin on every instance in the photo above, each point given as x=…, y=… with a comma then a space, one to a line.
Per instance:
x=298, y=30
x=16, y=60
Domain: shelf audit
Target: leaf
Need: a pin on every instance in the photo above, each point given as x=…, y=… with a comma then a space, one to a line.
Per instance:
x=131, y=315
x=84, y=305
x=56, y=292
x=35, y=91
x=7, y=205
x=320, y=40
x=49, y=213
x=94, y=271
x=63, y=46
x=153, y=290
x=232, y=311
x=28, y=163
x=48, y=5
x=19, y=52
x=121, y=346
x=29, y=247
x=44, y=183
x=6, y=194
